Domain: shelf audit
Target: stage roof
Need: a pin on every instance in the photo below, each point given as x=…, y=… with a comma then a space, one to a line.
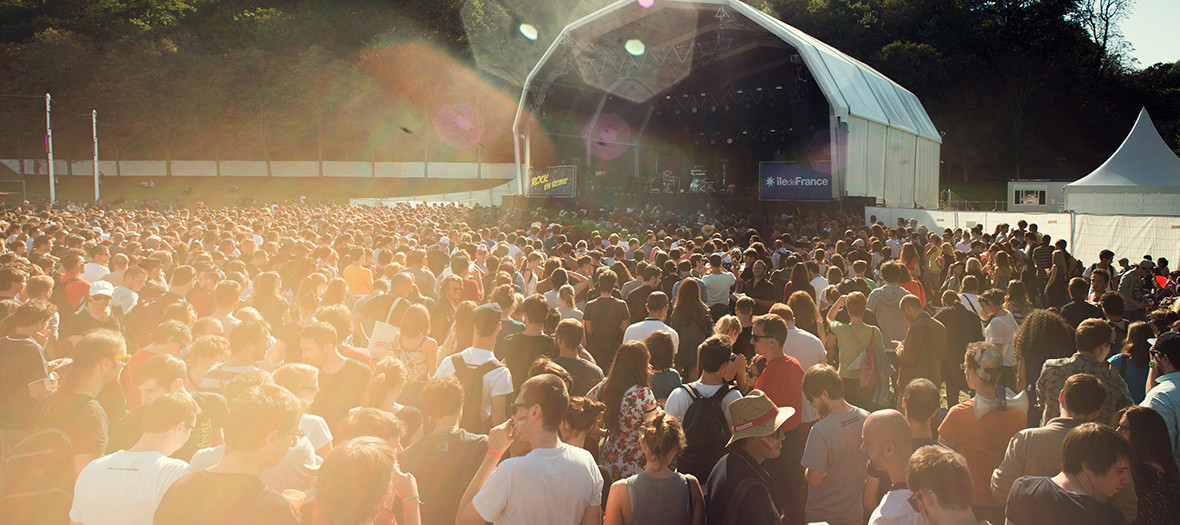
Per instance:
x=638, y=52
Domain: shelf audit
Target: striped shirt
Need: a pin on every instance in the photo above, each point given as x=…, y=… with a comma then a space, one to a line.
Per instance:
x=219, y=376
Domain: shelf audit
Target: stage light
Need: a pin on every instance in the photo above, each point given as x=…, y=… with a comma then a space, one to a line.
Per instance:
x=759, y=89
x=635, y=47
x=714, y=108
x=694, y=110
x=739, y=92
x=729, y=141
x=528, y=31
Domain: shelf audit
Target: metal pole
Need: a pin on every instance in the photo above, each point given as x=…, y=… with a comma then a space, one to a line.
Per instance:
x=94, y=132
x=49, y=149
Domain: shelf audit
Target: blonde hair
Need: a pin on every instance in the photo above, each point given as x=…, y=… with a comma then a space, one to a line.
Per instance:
x=726, y=324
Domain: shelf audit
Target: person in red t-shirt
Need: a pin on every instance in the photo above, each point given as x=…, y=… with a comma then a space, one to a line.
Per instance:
x=73, y=287
x=782, y=381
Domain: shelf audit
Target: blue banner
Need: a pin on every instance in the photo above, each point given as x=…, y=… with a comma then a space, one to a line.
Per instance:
x=788, y=181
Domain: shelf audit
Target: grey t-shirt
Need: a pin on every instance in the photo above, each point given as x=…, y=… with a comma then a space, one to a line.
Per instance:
x=833, y=448
x=584, y=373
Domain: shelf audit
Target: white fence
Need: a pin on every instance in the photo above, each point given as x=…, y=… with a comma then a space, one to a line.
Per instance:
x=243, y=168
x=1126, y=235
x=489, y=197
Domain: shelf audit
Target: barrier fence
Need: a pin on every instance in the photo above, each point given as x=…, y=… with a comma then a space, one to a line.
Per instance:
x=243, y=168
x=489, y=197
x=1130, y=236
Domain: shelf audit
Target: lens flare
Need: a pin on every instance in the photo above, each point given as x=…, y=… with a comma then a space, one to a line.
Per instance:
x=646, y=3
x=635, y=47
x=528, y=31
x=607, y=136
x=459, y=126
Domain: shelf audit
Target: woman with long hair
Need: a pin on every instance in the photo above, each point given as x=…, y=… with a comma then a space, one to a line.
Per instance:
x=1017, y=301
x=690, y=318
x=1044, y=335
x=658, y=495
x=629, y=404
x=912, y=260
x=335, y=293
x=807, y=316
x=1134, y=361
x=413, y=346
x=974, y=267
x=1001, y=270
x=461, y=331
x=800, y=281
x=269, y=300
x=1157, y=480
x=1057, y=288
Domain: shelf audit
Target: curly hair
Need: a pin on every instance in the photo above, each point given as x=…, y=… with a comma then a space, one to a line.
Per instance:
x=1044, y=335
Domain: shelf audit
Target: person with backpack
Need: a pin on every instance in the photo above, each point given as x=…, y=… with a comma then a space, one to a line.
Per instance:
x=703, y=408
x=487, y=382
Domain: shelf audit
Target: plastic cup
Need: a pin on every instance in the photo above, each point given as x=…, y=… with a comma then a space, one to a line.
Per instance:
x=295, y=497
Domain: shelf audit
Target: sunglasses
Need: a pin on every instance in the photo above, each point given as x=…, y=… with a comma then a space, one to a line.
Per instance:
x=915, y=501
x=754, y=338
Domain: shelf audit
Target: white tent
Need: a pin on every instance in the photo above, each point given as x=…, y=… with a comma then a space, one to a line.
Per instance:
x=885, y=144
x=1142, y=177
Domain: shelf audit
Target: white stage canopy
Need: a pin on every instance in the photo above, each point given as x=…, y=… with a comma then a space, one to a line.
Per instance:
x=1142, y=177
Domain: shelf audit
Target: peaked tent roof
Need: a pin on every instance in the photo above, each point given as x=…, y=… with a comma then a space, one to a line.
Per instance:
x=1143, y=163
x=851, y=86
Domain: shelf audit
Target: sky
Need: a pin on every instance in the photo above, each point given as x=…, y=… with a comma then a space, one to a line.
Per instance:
x=1152, y=29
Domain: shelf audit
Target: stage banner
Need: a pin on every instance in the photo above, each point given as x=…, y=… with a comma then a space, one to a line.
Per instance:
x=779, y=181
x=554, y=181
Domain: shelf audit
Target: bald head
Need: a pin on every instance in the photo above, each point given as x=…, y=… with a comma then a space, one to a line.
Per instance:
x=887, y=441
x=888, y=426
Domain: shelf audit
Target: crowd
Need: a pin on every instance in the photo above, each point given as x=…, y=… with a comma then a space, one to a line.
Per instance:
x=323, y=364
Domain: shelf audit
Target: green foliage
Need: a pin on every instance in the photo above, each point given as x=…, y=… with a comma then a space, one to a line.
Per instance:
x=1020, y=87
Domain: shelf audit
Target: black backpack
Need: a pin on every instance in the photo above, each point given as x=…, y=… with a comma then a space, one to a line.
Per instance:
x=471, y=377
x=706, y=430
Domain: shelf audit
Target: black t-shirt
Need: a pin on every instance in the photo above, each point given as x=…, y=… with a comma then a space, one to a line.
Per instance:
x=83, y=322
x=204, y=498
x=21, y=363
x=1075, y=312
x=584, y=373
x=81, y=417
x=341, y=391
x=507, y=328
x=607, y=316
x=437, y=461
x=211, y=417
x=1036, y=500
x=519, y=351
x=637, y=303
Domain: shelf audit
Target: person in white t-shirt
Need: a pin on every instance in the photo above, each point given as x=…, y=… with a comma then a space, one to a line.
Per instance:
x=96, y=269
x=554, y=483
x=1000, y=332
x=715, y=363
x=497, y=384
x=124, y=488
x=657, y=311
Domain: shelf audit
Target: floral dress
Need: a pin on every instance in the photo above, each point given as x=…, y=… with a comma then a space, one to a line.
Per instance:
x=621, y=454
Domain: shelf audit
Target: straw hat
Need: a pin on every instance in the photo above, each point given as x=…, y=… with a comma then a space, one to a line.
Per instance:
x=755, y=416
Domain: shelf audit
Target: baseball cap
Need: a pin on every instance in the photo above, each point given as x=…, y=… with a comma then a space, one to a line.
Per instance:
x=1146, y=264
x=1168, y=343
x=102, y=288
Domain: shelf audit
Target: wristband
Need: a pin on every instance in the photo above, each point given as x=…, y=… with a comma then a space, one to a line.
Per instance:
x=494, y=454
x=410, y=497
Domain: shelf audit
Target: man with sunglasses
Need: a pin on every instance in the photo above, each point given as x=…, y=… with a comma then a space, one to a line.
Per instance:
x=97, y=313
x=1165, y=396
x=554, y=483
x=940, y=486
x=782, y=380
x=98, y=360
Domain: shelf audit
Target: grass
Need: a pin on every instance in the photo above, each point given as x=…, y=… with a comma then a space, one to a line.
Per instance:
x=215, y=191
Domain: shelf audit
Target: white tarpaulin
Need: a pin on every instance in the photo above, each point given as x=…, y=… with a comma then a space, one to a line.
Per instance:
x=1127, y=236
x=1142, y=177
x=489, y=197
